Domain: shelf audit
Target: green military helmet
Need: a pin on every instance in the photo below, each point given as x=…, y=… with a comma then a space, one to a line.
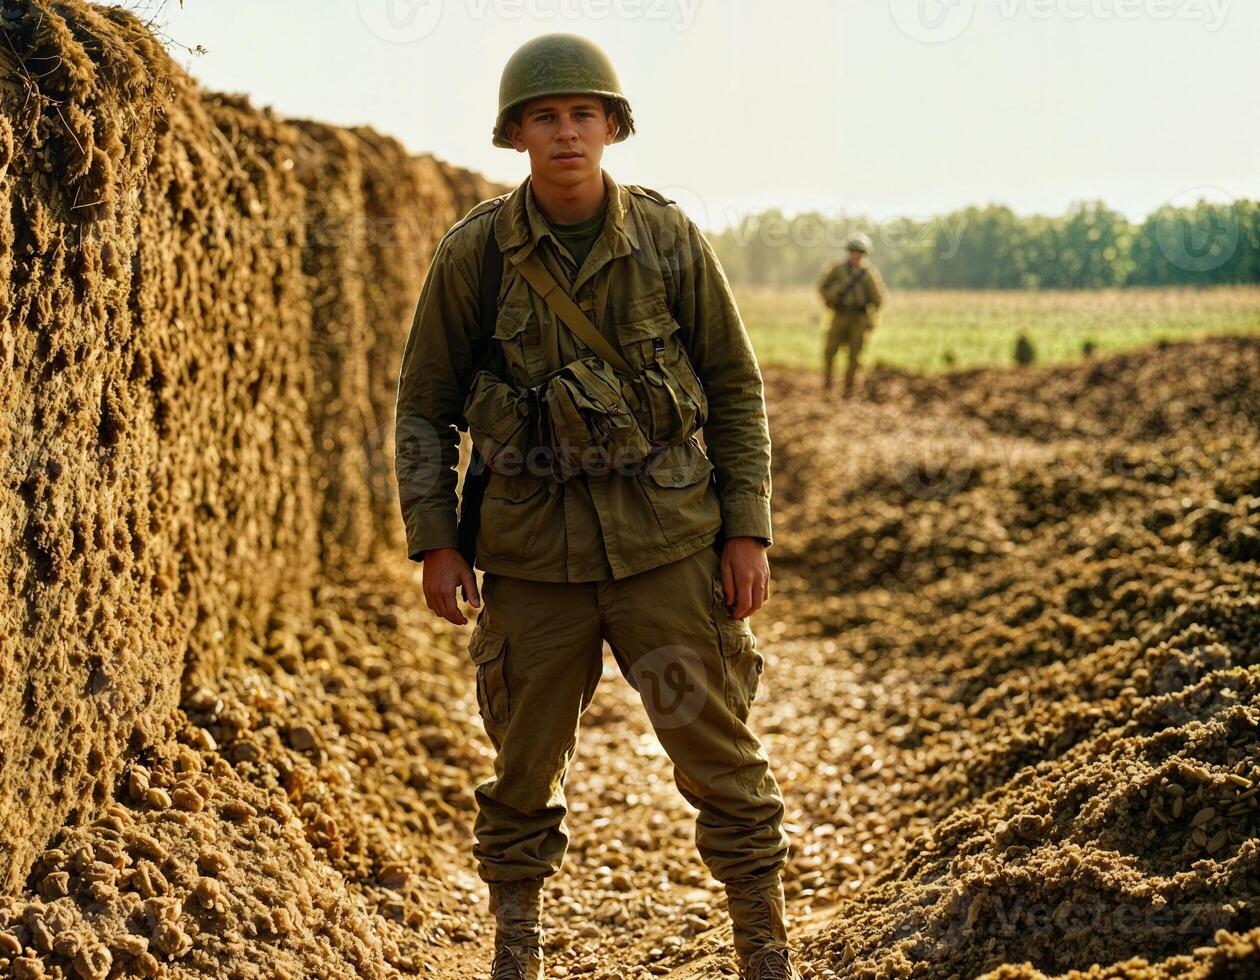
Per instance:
x=558, y=64
x=859, y=242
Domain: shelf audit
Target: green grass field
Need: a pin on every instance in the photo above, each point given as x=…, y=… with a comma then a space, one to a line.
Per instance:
x=921, y=330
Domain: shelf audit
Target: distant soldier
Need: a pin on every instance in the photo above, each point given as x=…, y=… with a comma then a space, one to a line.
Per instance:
x=854, y=291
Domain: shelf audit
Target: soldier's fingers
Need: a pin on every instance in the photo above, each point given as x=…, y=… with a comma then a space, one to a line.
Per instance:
x=468, y=580
x=758, y=596
x=452, y=598
x=728, y=583
x=760, y=592
x=450, y=608
x=438, y=605
x=456, y=616
x=746, y=596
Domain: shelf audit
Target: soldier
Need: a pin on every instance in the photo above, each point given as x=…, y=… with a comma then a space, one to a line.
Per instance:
x=854, y=291
x=662, y=556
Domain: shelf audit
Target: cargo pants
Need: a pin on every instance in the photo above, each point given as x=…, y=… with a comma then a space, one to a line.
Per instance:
x=537, y=647
x=848, y=329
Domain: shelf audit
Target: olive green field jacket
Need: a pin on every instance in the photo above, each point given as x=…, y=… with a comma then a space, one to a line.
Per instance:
x=654, y=287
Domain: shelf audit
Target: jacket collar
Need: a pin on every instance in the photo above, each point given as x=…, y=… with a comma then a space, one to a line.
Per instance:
x=520, y=225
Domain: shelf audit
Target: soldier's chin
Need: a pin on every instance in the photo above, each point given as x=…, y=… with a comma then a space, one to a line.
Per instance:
x=570, y=173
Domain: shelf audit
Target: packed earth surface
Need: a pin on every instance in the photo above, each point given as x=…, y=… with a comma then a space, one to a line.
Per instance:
x=1010, y=692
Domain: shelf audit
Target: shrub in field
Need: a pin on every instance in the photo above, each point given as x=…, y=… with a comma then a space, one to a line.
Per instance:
x=1025, y=353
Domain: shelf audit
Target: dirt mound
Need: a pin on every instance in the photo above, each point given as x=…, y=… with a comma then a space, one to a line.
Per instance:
x=1049, y=584
x=201, y=306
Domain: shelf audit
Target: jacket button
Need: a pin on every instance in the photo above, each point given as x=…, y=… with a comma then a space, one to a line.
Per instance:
x=678, y=478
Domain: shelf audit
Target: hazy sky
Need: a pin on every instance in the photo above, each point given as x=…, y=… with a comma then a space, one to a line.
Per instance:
x=881, y=107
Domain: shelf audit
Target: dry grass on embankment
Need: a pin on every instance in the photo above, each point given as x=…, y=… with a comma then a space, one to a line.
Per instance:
x=232, y=744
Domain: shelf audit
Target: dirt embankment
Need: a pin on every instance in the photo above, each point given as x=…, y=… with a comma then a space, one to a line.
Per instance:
x=1011, y=687
x=201, y=308
x=1042, y=587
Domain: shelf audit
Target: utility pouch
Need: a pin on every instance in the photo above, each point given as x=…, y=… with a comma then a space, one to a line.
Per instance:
x=665, y=408
x=588, y=420
x=503, y=420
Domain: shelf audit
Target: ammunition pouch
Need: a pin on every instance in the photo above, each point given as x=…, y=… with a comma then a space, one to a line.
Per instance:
x=588, y=419
x=584, y=418
x=503, y=421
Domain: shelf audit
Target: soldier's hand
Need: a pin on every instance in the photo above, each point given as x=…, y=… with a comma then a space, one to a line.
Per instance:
x=745, y=575
x=443, y=571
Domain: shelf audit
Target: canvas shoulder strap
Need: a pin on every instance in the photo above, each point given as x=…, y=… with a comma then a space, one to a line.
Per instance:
x=849, y=286
x=544, y=284
x=488, y=305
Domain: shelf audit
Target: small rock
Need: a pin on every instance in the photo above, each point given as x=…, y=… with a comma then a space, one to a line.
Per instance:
x=158, y=798
x=93, y=962
x=302, y=738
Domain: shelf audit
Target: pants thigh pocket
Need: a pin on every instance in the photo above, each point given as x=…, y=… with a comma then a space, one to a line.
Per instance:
x=742, y=663
x=487, y=651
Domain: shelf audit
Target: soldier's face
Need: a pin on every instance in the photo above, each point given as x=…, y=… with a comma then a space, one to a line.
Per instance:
x=564, y=136
x=855, y=256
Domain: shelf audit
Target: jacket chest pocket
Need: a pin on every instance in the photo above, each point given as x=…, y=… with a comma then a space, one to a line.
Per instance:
x=673, y=403
x=518, y=332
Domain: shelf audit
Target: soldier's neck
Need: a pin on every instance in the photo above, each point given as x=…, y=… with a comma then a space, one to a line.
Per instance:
x=571, y=204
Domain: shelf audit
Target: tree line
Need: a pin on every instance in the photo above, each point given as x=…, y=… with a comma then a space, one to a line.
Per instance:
x=991, y=247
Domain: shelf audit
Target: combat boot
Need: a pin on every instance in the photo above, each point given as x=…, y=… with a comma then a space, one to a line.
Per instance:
x=517, y=908
x=759, y=924
x=770, y=963
x=517, y=963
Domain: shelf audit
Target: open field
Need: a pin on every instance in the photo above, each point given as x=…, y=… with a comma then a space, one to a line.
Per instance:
x=919, y=330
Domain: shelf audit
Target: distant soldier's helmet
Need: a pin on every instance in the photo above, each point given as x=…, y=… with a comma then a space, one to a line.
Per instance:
x=859, y=242
x=559, y=64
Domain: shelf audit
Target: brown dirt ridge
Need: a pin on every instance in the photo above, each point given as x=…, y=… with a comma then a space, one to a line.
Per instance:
x=1011, y=681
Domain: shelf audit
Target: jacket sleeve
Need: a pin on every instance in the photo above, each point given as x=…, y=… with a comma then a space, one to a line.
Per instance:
x=433, y=381
x=874, y=289
x=827, y=284
x=736, y=433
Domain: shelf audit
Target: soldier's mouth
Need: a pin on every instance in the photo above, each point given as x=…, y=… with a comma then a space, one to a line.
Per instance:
x=567, y=157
